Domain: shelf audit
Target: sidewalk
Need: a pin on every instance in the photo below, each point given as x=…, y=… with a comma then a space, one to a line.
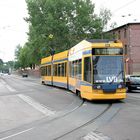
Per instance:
x=31, y=78
x=125, y=125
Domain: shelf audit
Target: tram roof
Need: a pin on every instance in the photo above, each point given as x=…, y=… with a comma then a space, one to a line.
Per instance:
x=46, y=60
x=60, y=55
x=101, y=40
x=92, y=43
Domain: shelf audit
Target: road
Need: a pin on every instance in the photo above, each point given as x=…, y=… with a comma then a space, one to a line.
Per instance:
x=31, y=111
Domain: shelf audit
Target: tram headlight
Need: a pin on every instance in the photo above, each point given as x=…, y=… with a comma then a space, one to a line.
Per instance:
x=97, y=86
x=119, y=86
x=122, y=85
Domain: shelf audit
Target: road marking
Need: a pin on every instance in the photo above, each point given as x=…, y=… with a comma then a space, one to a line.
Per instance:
x=3, y=82
x=4, y=138
x=84, y=104
x=95, y=136
x=40, y=107
x=11, y=89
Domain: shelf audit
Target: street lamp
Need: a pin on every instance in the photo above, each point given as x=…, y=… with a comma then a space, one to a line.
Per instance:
x=52, y=51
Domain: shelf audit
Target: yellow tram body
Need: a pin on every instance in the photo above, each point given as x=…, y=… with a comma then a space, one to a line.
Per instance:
x=93, y=69
x=60, y=76
x=46, y=66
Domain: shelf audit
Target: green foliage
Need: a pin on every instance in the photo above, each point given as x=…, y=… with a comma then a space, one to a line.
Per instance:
x=17, y=51
x=68, y=21
x=113, y=25
x=16, y=65
x=4, y=67
x=105, y=16
x=1, y=64
x=23, y=58
x=10, y=64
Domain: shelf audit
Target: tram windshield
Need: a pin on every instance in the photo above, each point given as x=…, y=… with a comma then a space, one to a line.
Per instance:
x=108, y=69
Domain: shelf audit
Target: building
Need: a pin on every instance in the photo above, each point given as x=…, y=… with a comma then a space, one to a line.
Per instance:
x=129, y=34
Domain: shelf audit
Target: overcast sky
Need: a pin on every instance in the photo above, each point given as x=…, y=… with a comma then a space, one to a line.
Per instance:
x=13, y=28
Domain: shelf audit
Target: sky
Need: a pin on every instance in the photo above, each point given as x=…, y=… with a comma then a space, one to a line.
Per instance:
x=13, y=28
x=123, y=11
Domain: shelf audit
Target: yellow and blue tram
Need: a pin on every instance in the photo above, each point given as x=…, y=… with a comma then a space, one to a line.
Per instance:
x=93, y=69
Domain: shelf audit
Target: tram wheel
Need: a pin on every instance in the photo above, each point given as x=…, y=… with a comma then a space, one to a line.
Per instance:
x=78, y=93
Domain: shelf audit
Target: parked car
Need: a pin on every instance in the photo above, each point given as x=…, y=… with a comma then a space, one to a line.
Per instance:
x=133, y=82
x=24, y=74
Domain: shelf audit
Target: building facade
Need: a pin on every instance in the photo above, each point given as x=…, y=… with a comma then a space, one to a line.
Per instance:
x=129, y=34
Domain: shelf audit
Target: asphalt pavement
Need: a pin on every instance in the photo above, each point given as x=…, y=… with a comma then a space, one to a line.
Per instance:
x=33, y=111
x=126, y=123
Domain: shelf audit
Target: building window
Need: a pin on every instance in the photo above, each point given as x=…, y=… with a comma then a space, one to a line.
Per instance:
x=125, y=35
x=113, y=35
x=119, y=35
x=125, y=49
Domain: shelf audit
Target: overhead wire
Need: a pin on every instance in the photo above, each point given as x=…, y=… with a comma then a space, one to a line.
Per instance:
x=123, y=6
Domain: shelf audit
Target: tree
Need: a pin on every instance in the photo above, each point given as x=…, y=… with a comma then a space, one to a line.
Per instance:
x=113, y=25
x=24, y=57
x=17, y=56
x=68, y=21
x=105, y=16
x=1, y=64
x=17, y=51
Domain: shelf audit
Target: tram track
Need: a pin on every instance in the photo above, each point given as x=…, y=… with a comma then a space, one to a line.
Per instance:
x=76, y=103
x=41, y=88
x=133, y=99
x=86, y=124
x=39, y=124
x=77, y=116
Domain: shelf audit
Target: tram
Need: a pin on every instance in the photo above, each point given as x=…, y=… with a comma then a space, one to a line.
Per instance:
x=92, y=69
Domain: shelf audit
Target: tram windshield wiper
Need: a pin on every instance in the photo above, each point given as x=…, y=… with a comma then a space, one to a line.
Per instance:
x=116, y=76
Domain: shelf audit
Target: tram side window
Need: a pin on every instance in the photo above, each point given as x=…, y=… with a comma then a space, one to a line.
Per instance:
x=79, y=63
x=72, y=69
x=55, y=70
x=65, y=66
x=59, y=69
x=62, y=70
x=43, y=71
x=49, y=70
x=75, y=69
x=46, y=70
x=87, y=69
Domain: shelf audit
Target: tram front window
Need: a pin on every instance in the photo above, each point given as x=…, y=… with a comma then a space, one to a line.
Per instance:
x=107, y=69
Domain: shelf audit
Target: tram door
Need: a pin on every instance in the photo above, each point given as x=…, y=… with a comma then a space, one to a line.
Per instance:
x=78, y=73
x=86, y=86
